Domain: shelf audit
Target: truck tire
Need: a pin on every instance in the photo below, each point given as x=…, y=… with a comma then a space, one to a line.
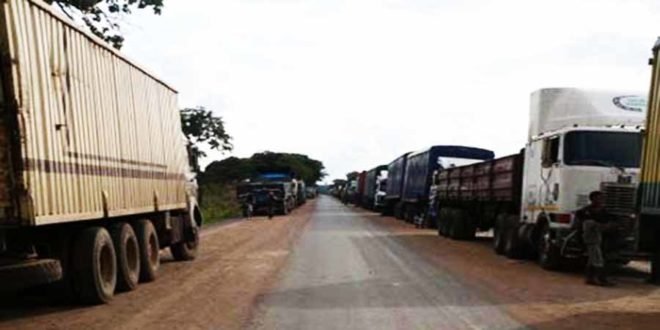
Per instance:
x=128, y=256
x=187, y=250
x=443, y=225
x=499, y=240
x=94, y=266
x=149, y=250
x=549, y=256
x=513, y=247
x=467, y=229
x=29, y=273
x=453, y=224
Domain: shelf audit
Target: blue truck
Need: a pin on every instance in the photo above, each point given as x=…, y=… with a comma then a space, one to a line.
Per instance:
x=418, y=176
x=396, y=171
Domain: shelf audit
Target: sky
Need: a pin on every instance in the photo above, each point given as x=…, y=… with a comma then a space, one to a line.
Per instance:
x=357, y=83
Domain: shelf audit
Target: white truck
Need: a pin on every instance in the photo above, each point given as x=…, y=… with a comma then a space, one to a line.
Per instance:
x=380, y=191
x=94, y=173
x=579, y=141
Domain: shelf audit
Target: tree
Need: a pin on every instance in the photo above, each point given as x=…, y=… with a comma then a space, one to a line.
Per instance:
x=102, y=17
x=236, y=169
x=352, y=175
x=201, y=127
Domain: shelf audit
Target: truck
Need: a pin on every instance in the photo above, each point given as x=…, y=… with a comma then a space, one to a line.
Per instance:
x=396, y=171
x=381, y=191
x=370, y=185
x=95, y=173
x=361, y=188
x=259, y=190
x=648, y=201
x=419, y=174
x=579, y=141
x=301, y=192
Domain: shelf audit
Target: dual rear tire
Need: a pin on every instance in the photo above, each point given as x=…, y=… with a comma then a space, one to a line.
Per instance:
x=456, y=224
x=104, y=261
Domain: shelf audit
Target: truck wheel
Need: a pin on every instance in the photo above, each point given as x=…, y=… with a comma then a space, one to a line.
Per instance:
x=466, y=228
x=453, y=230
x=185, y=251
x=499, y=235
x=21, y=275
x=513, y=247
x=443, y=228
x=128, y=256
x=94, y=266
x=499, y=240
x=149, y=250
x=549, y=256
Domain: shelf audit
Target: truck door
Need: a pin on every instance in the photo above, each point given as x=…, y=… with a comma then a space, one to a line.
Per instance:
x=549, y=188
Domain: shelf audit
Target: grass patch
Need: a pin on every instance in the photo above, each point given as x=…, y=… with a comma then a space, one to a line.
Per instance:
x=219, y=202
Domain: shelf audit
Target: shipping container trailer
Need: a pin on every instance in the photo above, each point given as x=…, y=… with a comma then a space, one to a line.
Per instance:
x=419, y=174
x=396, y=171
x=95, y=176
x=370, y=184
x=649, y=184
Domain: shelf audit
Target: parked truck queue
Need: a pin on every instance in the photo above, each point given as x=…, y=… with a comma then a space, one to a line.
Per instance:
x=579, y=141
x=288, y=192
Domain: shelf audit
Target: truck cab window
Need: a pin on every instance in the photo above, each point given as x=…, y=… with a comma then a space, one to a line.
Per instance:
x=550, y=151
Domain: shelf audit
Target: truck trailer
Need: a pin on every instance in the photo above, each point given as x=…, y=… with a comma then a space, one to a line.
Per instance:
x=361, y=188
x=648, y=203
x=370, y=184
x=579, y=141
x=94, y=176
x=419, y=171
x=396, y=171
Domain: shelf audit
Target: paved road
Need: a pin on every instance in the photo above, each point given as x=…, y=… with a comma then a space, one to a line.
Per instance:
x=347, y=273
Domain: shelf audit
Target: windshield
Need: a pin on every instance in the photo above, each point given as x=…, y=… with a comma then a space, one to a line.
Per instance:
x=608, y=149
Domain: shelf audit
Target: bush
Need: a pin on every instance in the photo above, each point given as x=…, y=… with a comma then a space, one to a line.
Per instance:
x=218, y=202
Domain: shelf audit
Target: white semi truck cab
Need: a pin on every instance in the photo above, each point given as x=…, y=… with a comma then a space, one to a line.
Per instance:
x=381, y=190
x=580, y=141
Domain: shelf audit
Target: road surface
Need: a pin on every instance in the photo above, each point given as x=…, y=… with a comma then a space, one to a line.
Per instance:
x=331, y=266
x=348, y=273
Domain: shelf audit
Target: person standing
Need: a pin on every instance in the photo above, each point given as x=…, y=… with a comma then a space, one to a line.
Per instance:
x=249, y=205
x=272, y=202
x=595, y=221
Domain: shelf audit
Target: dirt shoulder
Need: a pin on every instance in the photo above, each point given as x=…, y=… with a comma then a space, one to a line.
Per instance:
x=237, y=262
x=536, y=297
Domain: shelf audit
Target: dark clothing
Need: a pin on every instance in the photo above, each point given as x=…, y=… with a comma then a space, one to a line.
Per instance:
x=593, y=223
x=271, y=202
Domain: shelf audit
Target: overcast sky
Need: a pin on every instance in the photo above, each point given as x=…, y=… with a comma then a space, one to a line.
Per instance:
x=357, y=83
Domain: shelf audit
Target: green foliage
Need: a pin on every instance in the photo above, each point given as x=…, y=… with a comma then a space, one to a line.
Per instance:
x=202, y=127
x=219, y=202
x=352, y=175
x=236, y=169
x=102, y=17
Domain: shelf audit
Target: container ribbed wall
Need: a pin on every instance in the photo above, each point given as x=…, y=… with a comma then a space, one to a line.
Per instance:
x=99, y=135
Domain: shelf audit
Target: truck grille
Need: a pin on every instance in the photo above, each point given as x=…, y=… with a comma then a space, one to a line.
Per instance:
x=619, y=197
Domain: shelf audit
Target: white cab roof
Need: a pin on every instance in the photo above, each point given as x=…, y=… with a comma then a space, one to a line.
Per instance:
x=555, y=108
